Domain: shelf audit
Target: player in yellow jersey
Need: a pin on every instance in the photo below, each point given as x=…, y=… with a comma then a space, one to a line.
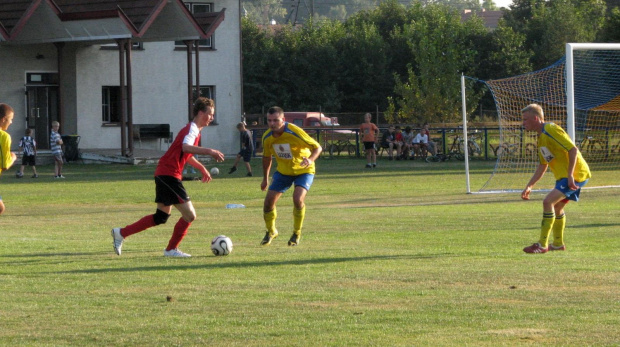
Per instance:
x=7, y=158
x=558, y=152
x=295, y=152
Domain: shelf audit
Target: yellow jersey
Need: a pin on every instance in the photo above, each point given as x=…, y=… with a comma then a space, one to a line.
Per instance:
x=289, y=149
x=5, y=150
x=553, y=147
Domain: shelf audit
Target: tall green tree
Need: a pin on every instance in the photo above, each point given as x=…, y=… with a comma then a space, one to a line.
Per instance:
x=549, y=25
x=442, y=49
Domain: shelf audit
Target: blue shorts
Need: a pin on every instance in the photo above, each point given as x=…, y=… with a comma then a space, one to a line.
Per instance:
x=282, y=183
x=562, y=185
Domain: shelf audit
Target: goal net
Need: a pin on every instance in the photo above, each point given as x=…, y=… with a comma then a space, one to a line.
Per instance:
x=581, y=93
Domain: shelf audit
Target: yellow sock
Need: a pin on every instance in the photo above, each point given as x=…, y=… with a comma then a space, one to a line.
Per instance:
x=270, y=220
x=545, y=228
x=558, y=230
x=298, y=219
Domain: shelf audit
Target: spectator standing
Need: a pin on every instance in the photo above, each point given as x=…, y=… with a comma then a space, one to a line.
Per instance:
x=56, y=146
x=247, y=149
x=369, y=137
x=29, y=152
x=7, y=158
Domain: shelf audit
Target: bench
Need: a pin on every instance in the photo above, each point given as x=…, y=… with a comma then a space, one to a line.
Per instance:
x=152, y=131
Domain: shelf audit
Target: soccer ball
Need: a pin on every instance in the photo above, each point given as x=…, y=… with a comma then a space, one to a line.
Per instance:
x=215, y=171
x=221, y=245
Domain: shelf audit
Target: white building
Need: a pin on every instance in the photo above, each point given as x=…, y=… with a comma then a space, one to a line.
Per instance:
x=62, y=60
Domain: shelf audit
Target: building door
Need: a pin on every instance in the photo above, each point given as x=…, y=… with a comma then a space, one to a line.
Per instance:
x=42, y=101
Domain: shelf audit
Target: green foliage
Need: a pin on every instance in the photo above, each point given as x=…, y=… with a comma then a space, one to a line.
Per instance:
x=407, y=59
x=549, y=25
x=442, y=46
x=611, y=30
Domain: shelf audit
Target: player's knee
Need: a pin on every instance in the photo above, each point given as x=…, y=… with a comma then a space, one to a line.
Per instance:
x=190, y=217
x=160, y=217
x=1, y=207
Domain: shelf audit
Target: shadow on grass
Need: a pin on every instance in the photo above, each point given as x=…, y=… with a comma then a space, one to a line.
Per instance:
x=257, y=264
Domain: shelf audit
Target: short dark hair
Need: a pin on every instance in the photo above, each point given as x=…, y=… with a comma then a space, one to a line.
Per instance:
x=28, y=131
x=201, y=104
x=5, y=110
x=275, y=110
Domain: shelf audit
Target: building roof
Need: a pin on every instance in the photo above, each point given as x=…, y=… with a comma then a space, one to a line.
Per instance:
x=37, y=21
x=490, y=18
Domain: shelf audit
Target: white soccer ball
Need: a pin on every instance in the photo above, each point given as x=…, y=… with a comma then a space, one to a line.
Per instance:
x=215, y=171
x=221, y=245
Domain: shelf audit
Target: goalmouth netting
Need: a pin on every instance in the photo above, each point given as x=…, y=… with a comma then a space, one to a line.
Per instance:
x=581, y=93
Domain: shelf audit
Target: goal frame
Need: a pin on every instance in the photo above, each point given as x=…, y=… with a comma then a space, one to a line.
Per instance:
x=570, y=103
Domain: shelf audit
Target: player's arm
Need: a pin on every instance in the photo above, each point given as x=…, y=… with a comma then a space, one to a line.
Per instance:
x=538, y=174
x=572, y=161
x=217, y=155
x=195, y=163
x=7, y=157
x=316, y=152
x=266, y=169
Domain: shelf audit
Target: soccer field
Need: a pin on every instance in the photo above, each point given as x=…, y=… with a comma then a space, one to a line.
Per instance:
x=393, y=256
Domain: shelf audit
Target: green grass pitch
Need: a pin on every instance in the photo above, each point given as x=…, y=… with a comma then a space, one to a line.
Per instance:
x=394, y=256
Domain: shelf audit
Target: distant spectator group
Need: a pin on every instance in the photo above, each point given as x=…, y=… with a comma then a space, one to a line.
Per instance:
x=407, y=144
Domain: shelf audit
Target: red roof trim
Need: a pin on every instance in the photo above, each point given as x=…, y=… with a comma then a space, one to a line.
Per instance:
x=152, y=16
x=189, y=16
x=29, y=12
x=214, y=19
x=219, y=18
x=3, y=32
x=128, y=22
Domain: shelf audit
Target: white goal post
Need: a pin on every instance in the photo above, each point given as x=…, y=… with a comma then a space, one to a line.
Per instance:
x=570, y=80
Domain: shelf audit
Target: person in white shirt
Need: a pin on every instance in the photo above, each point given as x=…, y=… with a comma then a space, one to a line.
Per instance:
x=420, y=144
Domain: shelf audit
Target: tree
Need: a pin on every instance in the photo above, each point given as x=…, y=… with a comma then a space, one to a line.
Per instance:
x=442, y=49
x=263, y=11
x=548, y=26
x=363, y=75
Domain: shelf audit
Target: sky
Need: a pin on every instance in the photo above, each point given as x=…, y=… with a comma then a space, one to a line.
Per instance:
x=503, y=3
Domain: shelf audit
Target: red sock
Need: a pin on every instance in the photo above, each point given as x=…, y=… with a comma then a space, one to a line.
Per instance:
x=141, y=225
x=180, y=230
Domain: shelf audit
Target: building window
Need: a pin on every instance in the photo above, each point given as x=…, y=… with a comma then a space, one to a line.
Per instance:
x=111, y=104
x=199, y=7
x=135, y=46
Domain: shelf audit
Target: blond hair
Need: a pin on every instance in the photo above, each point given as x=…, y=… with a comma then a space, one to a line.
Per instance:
x=534, y=109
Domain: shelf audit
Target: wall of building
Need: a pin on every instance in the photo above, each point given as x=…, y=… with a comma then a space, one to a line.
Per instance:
x=159, y=75
x=15, y=62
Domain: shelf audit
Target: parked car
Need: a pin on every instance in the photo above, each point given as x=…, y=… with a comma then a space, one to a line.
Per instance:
x=310, y=119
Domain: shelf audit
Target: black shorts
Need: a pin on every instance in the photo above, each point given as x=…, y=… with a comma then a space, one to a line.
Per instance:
x=170, y=191
x=369, y=145
x=246, y=154
x=28, y=160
